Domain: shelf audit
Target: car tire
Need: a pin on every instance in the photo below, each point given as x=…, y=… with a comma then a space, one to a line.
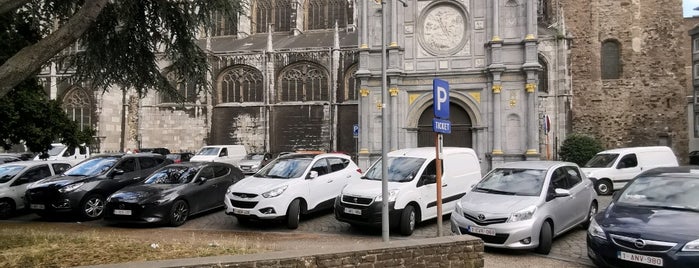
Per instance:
x=179, y=213
x=7, y=208
x=603, y=187
x=243, y=220
x=92, y=207
x=590, y=214
x=293, y=214
x=545, y=239
x=408, y=220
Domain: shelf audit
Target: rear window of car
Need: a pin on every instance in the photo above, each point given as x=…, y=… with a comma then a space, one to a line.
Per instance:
x=147, y=162
x=59, y=168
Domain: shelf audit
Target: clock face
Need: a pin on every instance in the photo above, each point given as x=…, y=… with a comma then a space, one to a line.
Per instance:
x=443, y=29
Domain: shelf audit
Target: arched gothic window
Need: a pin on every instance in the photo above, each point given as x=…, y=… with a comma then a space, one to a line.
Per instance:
x=241, y=84
x=77, y=106
x=224, y=25
x=543, y=75
x=322, y=14
x=303, y=81
x=275, y=12
x=611, y=60
x=349, y=89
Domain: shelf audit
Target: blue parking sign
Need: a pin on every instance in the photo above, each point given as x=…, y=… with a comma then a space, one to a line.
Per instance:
x=355, y=130
x=440, y=94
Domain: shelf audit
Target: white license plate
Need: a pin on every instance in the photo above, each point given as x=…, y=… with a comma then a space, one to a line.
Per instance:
x=37, y=206
x=479, y=230
x=353, y=211
x=241, y=211
x=650, y=260
x=126, y=212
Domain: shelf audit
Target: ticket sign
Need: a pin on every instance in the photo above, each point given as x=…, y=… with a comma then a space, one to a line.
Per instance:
x=441, y=126
x=440, y=92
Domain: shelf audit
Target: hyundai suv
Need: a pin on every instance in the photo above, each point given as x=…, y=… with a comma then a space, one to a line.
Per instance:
x=83, y=188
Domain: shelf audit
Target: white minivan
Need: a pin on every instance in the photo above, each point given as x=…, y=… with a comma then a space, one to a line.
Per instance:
x=614, y=168
x=63, y=152
x=412, y=187
x=231, y=154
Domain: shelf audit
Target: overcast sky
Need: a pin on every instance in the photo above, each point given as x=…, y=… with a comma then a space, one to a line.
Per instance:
x=688, y=5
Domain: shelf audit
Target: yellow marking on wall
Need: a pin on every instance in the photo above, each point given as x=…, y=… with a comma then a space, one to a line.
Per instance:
x=413, y=97
x=476, y=95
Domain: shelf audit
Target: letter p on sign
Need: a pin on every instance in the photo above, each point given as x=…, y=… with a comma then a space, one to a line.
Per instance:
x=440, y=92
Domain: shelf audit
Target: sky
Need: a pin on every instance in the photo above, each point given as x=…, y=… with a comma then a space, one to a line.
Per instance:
x=687, y=6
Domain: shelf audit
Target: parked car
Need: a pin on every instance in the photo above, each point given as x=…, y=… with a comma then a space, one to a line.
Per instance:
x=651, y=222
x=253, y=162
x=412, y=187
x=14, y=178
x=230, y=154
x=59, y=151
x=173, y=193
x=162, y=151
x=25, y=156
x=694, y=158
x=83, y=188
x=612, y=169
x=180, y=157
x=524, y=205
x=291, y=185
x=9, y=159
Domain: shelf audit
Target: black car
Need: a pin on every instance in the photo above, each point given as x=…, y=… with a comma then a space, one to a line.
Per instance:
x=9, y=159
x=173, y=193
x=652, y=222
x=83, y=188
x=162, y=151
x=180, y=157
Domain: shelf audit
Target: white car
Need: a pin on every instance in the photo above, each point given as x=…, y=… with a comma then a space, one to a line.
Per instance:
x=291, y=185
x=16, y=176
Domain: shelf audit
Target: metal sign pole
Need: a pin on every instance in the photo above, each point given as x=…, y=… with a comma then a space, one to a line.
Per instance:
x=438, y=149
x=384, y=129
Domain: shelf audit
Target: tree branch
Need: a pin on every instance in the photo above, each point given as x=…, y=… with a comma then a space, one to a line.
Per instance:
x=30, y=59
x=9, y=5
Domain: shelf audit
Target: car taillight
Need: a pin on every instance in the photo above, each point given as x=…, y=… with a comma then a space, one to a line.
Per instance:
x=178, y=161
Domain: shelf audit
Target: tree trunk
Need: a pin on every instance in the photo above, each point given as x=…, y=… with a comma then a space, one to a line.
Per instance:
x=30, y=59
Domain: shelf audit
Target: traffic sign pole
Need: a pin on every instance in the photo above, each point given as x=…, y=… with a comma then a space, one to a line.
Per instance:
x=438, y=149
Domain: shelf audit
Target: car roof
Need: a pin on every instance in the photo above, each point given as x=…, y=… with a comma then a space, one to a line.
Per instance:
x=684, y=171
x=636, y=149
x=428, y=152
x=536, y=164
x=35, y=163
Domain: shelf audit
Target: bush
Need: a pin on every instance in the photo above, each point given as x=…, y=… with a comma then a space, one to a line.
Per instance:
x=579, y=148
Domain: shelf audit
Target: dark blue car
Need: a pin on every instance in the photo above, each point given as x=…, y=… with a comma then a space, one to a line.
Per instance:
x=652, y=222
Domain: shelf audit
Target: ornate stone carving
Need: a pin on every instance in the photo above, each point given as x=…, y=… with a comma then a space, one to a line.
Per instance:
x=393, y=91
x=364, y=92
x=531, y=87
x=497, y=89
x=442, y=29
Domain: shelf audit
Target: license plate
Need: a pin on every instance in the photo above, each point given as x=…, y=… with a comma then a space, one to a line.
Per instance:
x=126, y=212
x=650, y=260
x=241, y=211
x=479, y=230
x=244, y=167
x=353, y=211
x=37, y=206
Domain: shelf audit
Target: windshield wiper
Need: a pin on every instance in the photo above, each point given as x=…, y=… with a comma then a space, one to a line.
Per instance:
x=493, y=191
x=368, y=178
x=682, y=208
x=276, y=176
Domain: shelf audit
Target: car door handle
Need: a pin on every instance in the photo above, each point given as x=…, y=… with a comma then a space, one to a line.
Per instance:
x=330, y=181
x=445, y=185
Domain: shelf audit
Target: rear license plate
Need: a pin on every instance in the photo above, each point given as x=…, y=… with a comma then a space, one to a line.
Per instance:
x=650, y=260
x=37, y=206
x=241, y=211
x=353, y=211
x=479, y=230
x=126, y=212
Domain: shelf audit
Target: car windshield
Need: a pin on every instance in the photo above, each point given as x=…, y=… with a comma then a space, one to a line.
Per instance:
x=400, y=169
x=9, y=171
x=173, y=175
x=56, y=150
x=254, y=157
x=666, y=192
x=513, y=181
x=91, y=167
x=285, y=168
x=602, y=161
x=208, y=151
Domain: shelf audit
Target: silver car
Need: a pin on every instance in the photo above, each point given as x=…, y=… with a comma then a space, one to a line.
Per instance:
x=524, y=205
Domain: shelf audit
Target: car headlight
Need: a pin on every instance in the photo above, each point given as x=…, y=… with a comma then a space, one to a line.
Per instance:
x=392, y=194
x=522, y=215
x=70, y=187
x=458, y=209
x=595, y=230
x=691, y=246
x=275, y=192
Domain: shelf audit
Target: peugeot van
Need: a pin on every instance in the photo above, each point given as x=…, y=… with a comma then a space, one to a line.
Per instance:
x=231, y=154
x=412, y=196
x=614, y=168
x=63, y=152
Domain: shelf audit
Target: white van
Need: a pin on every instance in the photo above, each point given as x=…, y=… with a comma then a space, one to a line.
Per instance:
x=614, y=168
x=231, y=154
x=62, y=152
x=411, y=185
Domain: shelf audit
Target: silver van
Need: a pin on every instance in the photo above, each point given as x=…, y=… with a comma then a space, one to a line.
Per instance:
x=231, y=154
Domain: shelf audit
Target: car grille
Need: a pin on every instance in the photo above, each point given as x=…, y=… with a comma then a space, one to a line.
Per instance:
x=244, y=195
x=641, y=245
x=484, y=222
x=243, y=204
x=356, y=200
x=497, y=239
x=41, y=195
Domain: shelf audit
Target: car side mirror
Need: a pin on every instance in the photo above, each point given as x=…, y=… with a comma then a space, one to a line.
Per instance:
x=117, y=172
x=429, y=179
x=561, y=192
x=616, y=195
x=312, y=175
x=202, y=180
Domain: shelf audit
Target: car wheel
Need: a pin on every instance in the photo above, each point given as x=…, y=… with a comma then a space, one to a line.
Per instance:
x=92, y=207
x=590, y=214
x=407, y=221
x=179, y=213
x=603, y=187
x=545, y=239
x=293, y=214
x=7, y=209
